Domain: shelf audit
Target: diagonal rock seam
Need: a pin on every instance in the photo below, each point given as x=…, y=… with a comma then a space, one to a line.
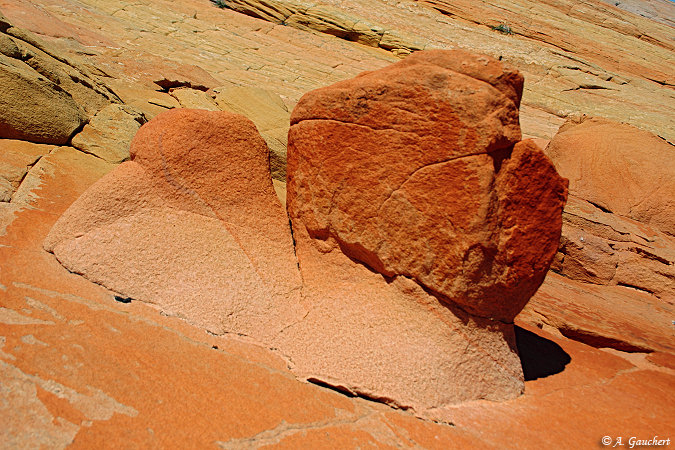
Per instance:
x=292, y=14
x=28, y=169
x=284, y=429
x=30, y=39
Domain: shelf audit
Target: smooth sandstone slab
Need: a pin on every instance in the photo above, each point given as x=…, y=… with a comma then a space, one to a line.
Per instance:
x=603, y=248
x=618, y=167
x=602, y=316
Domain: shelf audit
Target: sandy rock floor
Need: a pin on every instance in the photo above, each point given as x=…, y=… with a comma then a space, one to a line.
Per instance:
x=79, y=367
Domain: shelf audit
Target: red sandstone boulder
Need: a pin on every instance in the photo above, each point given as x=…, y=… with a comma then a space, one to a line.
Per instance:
x=618, y=167
x=411, y=170
x=410, y=206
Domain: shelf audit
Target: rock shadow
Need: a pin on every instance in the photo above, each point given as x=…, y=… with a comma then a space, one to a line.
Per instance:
x=539, y=357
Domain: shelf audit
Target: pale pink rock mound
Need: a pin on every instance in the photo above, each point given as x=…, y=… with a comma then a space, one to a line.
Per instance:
x=191, y=224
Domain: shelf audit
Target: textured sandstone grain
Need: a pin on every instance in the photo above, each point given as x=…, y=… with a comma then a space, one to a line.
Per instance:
x=411, y=206
x=192, y=224
x=33, y=108
x=552, y=47
x=410, y=170
x=269, y=114
x=109, y=133
x=102, y=356
x=201, y=180
x=329, y=20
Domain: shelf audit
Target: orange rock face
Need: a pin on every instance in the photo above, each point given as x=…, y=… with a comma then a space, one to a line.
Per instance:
x=411, y=170
x=619, y=224
x=617, y=239
x=79, y=368
x=630, y=321
x=619, y=168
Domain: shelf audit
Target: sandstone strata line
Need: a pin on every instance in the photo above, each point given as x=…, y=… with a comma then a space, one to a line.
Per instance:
x=325, y=19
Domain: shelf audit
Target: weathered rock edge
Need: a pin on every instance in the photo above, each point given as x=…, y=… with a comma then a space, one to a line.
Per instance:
x=44, y=98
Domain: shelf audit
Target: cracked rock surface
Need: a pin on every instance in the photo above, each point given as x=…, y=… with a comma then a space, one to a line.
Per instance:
x=109, y=133
x=412, y=170
x=57, y=326
x=81, y=367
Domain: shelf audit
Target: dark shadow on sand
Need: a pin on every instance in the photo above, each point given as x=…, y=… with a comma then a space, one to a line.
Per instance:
x=539, y=357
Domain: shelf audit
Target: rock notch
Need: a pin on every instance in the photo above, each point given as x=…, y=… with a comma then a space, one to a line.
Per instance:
x=421, y=227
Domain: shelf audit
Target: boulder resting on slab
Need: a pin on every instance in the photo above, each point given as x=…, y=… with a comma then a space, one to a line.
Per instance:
x=421, y=226
x=412, y=170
